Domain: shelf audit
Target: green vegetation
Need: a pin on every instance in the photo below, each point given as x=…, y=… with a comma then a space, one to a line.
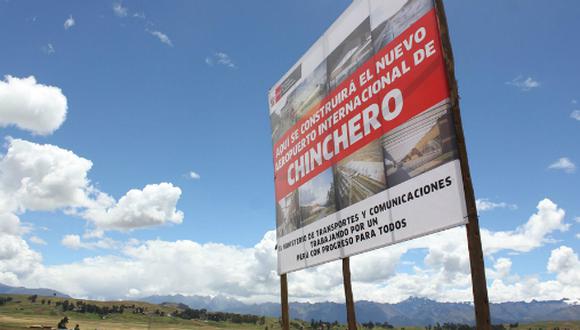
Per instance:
x=23, y=312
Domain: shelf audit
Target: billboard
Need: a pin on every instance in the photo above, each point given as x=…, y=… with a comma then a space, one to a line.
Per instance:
x=364, y=144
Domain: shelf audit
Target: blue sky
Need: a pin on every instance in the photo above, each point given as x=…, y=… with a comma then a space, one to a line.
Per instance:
x=157, y=90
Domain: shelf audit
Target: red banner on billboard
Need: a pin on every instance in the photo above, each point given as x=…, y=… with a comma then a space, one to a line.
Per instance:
x=403, y=79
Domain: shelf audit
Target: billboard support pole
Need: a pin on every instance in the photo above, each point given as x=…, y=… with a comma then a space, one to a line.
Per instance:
x=284, y=302
x=479, y=284
x=350, y=314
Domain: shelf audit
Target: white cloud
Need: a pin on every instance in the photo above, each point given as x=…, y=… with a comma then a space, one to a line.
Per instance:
x=564, y=262
x=37, y=240
x=524, y=84
x=70, y=22
x=188, y=267
x=501, y=269
x=42, y=177
x=74, y=242
x=564, y=164
x=71, y=241
x=140, y=15
x=530, y=235
x=449, y=258
x=531, y=288
x=162, y=37
x=364, y=267
x=31, y=106
x=220, y=58
x=224, y=59
x=484, y=204
x=10, y=224
x=575, y=114
x=48, y=49
x=16, y=257
x=193, y=175
x=119, y=10
x=154, y=205
x=216, y=268
x=94, y=233
x=577, y=219
x=37, y=177
x=574, y=101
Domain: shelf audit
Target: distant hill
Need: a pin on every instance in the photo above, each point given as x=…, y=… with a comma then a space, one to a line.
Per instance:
x=19, y=311
x=217, y=304
x=413, y=311
x=6, y=289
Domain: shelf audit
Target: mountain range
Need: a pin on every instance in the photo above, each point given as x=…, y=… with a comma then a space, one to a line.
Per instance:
x=5, y=289
x=412, y=311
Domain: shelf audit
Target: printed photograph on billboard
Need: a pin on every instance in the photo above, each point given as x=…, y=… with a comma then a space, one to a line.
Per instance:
x=310, y=92
x=317, y=199
x=422, y=143
x=364, y=145
x=360, y=175
x=350, y=54
x=287, y=214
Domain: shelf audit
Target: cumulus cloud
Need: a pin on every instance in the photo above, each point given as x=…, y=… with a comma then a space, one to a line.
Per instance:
x=42, y=177
x=501, y=269
x=10, y=224
x=575, y=115
x=74, y=242
x=524, y=84
x=194, y=176
x=162, y=37
x=188, y=267
x=37, y=240
x=564, y=262
x=484, y=204
x=220, y=58
x=249, y=274
x=17, y=260
x=71, y=241
x=450, y=258
x=531, y=288
x=119, y=10
x=364, y=267
x=564, y=164
x=533, y=234
x=153, y=205
x=31, y=106
x=70, y=22
x=94, y=233
x=216, y=268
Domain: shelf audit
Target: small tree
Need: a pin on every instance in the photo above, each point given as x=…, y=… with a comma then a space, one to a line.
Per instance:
x=62, y=324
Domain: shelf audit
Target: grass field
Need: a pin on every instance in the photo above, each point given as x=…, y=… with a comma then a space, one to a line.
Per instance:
x=561, y=325
x=21, y=313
